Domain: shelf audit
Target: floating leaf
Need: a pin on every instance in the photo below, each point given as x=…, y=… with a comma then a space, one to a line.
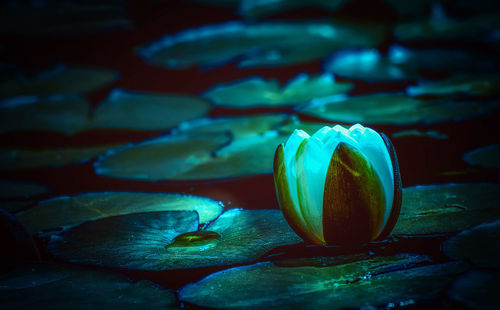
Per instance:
x=256, y=91
x=403, y=63
x=60, y=79
x=488, y=156
x=131, y=241
x=238, y=126
x=60, y=287
x=147, y=240
x=146, y=111
x=16, y=206
x=64, y=114
x=447, y=208
x=476, y=289
x=22, y=158
x=202, y=150
x=397, y=109
x=262, y=8
x=68, y=211
x=161, y=158
x=477, y=85
x=440, y=27
x=375, y=282
x=417, y=133
x=264, y=44
x=478, y=245
x=12, y=189
x=62, y=18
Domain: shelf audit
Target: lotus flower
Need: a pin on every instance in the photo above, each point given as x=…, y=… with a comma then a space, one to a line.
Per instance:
x=339, y=186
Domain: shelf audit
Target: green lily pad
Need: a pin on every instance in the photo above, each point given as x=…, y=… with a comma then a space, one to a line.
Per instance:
x=417, y=133
x=60, y=79
x=43, y=285
x=476, y=289
x=488, y=156
x=478, y=245
x=161, y=158
x=377, y=282
x=446, y=208
x=68, y=211
x=403, y=63
x=146, y=111
x=476, y=85
x=226, y=147
x=62, y=18
x=440, y=27
x=59, y=113
x=263, y=8
x=15, y=206
x=237, y=126
x=12, y=158
x=256, y=91
x=263, y=44
x=396, y=109
x=13, y=189
x=148, y=240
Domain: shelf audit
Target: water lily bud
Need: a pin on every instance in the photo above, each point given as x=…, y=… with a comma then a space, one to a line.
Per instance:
x=339, y=186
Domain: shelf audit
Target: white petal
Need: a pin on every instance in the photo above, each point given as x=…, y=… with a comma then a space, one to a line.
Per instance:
x=371, y=144
x=311, y=173
x=290, y=149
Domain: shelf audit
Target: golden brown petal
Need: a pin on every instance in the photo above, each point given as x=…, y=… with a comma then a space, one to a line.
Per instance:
x=353, y=202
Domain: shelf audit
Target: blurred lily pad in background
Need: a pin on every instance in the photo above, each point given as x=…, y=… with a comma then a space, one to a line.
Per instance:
x=142, y=240
x=487, y=156
x=35, y=285
x=477, y=85
x=68, y=211
x=13, y=189
x=12, y=158
x=208, y=149
x=403, y=63
x=478, y=245
x=61, y=79
x=255, y=91
x=56, y=18
x=146, y=111
x=262, y=44
x=395, y=108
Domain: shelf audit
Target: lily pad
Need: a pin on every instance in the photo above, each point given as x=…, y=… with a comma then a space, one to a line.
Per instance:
x=488, y=156
x=480, y=245
x=263, y=44
x=146, y=111
x=60, y=79
x=403, y=63
x=396, y=109
x=446, y=208
x=237, y=126
x=147, y=240
x=42, y=285
x=476, y=289
x=62, y=18
x=417, y=133
x=13, y=189
x=263, y=8
x=59, y=113
x=376, y=282
x=441, y=27
x=161, y=158
x=68, y=211
x=476, y=85
x=23, y=158
x=256, y=91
